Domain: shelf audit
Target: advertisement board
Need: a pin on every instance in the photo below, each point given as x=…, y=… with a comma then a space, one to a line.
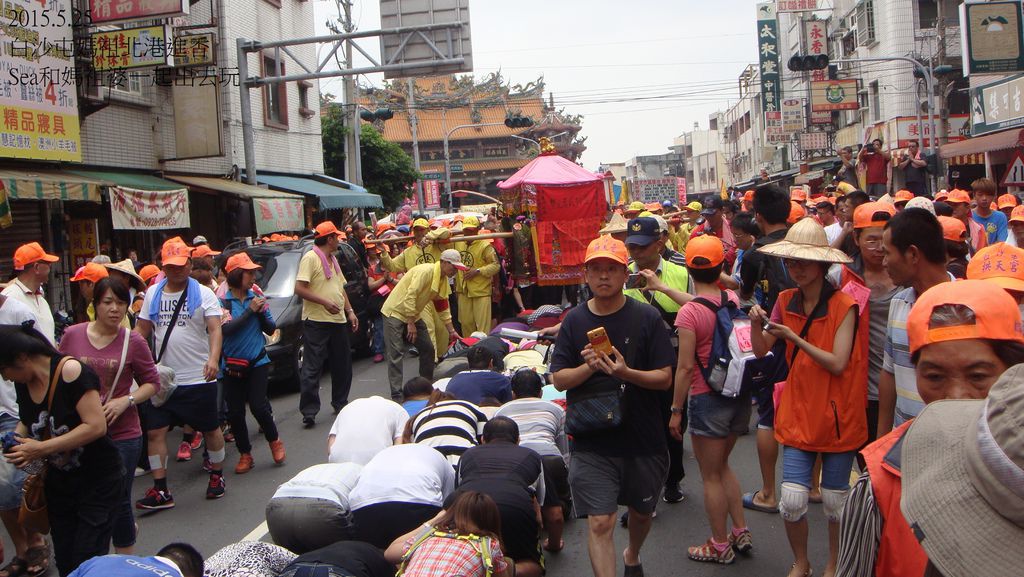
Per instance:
x=141, y=47
x=768, y=55
x=992, y=41
x=997, y=106
x=829, y=95
x=110, y=11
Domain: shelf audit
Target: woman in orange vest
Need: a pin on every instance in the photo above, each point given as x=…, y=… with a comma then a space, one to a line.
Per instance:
x=821, y=409
x=963, y=336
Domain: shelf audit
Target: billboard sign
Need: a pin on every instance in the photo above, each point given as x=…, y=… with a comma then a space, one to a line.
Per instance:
x=194, y=50
x=110, y=11
x=797, y=5
x=992, y=41
x=773, y=132
x=768, y=55
x=829, y=95
x=142, y=47
x=197, y=124
x=997, y=106
x=653, y=189
x=38, y=106
x=792, y=115
x=418, y=51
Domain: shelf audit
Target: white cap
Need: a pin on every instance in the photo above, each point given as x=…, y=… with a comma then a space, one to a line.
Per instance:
x=921, y=202
x=452, y=256
x=198, y=240
x=662, y=223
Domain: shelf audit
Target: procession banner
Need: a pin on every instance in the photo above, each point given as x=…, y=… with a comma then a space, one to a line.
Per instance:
x=133, y=209
x=277, y=214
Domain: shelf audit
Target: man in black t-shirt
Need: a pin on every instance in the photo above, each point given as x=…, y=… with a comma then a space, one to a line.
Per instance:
x=353, y=558
x=625, y=464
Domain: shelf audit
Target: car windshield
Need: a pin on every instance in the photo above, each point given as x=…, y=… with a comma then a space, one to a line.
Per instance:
x=278, y=275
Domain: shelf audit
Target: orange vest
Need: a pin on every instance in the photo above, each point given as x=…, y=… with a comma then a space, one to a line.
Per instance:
x=899, y=553
x=819, y=411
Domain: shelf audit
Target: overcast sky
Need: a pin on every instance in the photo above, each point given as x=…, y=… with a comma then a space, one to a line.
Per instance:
x=639, y=71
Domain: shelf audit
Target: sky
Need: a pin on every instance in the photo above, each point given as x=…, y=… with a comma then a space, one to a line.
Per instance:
x=641, y=72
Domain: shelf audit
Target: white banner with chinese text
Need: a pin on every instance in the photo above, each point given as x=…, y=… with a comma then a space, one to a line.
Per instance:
x=133, y=209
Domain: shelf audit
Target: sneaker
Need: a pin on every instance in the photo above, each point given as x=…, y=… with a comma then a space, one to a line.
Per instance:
x=229, y=437
x=155, y=500
x=184, y=452
x=673, y=494
x=245, y=464
x=207, y=465
x=742, y=543
x=308, y=422
x=709, y=554
x=378, y=358
x=216, y=488
x=197, y=441
x=277, y=450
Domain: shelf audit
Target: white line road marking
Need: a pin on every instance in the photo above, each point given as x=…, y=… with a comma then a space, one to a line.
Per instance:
x=258, y=533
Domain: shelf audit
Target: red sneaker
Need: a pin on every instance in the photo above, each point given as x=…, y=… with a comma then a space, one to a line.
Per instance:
x=185, y=451
x=277, y=450
x=197, y=441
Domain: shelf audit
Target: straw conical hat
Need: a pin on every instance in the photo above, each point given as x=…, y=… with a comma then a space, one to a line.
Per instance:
x=806, y=240
x=127, y=268
x=616, y=225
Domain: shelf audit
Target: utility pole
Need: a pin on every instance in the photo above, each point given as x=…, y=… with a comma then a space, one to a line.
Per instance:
x=940, y=57
x=414, y=126
x=353, y=163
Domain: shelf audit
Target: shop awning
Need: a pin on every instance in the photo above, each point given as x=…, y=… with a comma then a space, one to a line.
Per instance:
x=50, y=185
x=232, y=187
x=330, y=195
x=128, y=179
x=981, y=144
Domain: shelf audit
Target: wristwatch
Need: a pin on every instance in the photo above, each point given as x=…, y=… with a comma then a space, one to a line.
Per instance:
x=676, y=410
x=131, y=399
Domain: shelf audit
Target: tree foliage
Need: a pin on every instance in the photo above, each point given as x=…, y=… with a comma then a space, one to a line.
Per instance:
x=387, y=169
x=333, y=132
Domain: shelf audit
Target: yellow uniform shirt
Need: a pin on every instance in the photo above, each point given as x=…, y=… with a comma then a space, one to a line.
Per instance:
x=422, y=285
x=479, y=255
x=311, y=270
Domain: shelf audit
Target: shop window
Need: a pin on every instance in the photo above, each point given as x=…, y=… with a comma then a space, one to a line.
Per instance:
x=865, y=16
x=275, y=96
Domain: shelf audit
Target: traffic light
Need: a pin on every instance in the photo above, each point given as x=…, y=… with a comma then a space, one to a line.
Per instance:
x=804, y=63
x=518, y=121
x=383, y=113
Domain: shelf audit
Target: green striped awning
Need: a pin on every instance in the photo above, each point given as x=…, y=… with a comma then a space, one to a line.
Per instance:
x=49, y=185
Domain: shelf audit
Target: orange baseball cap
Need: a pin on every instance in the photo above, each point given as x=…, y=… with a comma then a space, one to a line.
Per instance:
x=1007, y=201
x=1018, y=214
x=957, y=196
x=605, y=246
x=30, y=253
x=240, y=260
x=796, y=212
x=1000, y=263
x=371, y=246
x=992, y=206
x=382, y=227
x=996, y=315
x=204, y=250
x=326, y=228
x=903, y=196
x=941, y=196
x=873, y=214
x=706, y=247
x=91, y=272
x=748, y=196
x=653, y=206
x=953, y=228
x=175, y=252
x=798, y=194
x=148, y=272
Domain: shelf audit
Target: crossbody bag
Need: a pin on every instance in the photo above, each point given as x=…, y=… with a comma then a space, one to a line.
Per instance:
x=167, y=378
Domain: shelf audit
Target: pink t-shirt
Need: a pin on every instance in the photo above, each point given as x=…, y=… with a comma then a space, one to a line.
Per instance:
x=699, y=320
x=139, y=367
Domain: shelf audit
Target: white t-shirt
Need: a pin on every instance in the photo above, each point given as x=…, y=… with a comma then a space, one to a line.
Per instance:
x=833, y=231
x=328, y=481
x=189, y=346
x=365, y=427
x=404, y=474
x=37, y=304
x=12, y=312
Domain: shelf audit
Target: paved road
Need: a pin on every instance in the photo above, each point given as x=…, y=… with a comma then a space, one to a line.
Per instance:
x=240, y=514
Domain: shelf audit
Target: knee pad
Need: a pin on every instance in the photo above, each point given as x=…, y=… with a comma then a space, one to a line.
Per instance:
x=793, y=502
x=833, y=501
x=217, y=456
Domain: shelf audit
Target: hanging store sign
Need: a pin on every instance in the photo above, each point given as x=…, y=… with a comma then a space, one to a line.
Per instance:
x=142, y=47
x=816, y=43
x=681, y=190
x=84, y=237
x=992, y=41
x=768, y=54
x=277, y=215
x=431, y=193
x=829, y=95
x=197, y=125
x=901, y=131
x=194, y=50
x=133, y=209
x=38, y=106
x=997, y=106
x=653, y=189
x=797, y=5
x=110, y=11
x=813, y=141
x=773, y=132
x=792, y=115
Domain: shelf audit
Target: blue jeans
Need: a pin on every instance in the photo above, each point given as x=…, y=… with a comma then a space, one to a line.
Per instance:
x=835, y=468
x=124, y=517
x=11, y=477
x=378, y=336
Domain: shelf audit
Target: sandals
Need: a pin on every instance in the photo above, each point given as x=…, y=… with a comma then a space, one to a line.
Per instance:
x=556, y=549
x=15, y=568
x=34, y=557
x=749, y=503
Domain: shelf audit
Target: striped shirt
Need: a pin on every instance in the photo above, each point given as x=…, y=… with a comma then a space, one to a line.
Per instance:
x=541, y=425
x=451, y=427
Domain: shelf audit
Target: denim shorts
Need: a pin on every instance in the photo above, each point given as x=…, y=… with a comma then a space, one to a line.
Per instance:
x=797, y=465
x=717, y=417
x=11, y=477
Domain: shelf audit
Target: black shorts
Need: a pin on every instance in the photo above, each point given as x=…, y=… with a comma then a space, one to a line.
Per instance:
x=600, y=484
x=765, y=397
x=193, y=405
x=556, y=482
x=519, y=533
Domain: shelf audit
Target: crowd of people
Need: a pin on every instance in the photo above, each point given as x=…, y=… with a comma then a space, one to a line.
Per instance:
x=830, y=322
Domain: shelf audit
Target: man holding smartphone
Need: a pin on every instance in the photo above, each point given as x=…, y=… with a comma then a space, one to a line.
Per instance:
x=623, y=464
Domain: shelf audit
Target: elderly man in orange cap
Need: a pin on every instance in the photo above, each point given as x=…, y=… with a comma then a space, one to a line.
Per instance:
x=32, y=265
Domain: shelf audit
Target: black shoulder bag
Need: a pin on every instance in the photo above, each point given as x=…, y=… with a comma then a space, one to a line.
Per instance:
x=594, y=408
x=167, y=377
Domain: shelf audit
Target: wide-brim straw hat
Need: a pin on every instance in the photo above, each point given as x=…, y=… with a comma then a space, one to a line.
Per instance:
x=806, y=240
x=616, y=225
x=127, y=268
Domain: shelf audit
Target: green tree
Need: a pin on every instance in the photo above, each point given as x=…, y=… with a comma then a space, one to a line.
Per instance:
x=333, y=132
x=387, y=169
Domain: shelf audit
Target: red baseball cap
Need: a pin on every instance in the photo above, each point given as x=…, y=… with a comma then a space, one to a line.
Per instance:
x=91, y=272
x=996, y=315
x=796, y=212
x=30, y=253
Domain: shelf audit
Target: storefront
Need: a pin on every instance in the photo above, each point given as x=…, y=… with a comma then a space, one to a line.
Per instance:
x=983, y=156
x=323, y=194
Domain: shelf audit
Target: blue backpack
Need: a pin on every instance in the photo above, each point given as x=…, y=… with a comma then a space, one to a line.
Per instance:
x=733, y=369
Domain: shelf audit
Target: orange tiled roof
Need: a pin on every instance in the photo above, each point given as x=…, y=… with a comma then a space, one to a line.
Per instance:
x=479, y=165
x=433, y=123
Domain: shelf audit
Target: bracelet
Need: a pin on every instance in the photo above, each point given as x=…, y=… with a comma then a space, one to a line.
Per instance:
x=349, y=310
